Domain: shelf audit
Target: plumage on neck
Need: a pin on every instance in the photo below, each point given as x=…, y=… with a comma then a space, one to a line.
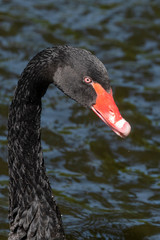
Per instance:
x=33, y=212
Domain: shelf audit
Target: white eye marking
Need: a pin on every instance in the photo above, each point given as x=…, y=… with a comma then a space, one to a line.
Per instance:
x=87, y=80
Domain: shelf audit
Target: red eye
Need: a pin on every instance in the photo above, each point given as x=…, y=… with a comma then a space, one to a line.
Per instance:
x=87, y=80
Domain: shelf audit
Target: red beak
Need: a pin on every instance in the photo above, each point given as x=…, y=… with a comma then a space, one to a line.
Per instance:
x=107, y=110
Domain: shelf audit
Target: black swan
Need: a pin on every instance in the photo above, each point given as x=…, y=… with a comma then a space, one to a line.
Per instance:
x=33, y=213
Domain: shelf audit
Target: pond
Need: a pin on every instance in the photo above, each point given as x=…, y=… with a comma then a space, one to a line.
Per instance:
x=106, y=187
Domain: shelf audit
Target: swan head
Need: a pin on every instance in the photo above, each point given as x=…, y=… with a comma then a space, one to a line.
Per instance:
x=84, y=78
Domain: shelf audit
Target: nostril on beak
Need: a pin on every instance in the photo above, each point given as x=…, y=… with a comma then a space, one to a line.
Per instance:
x=111, y=112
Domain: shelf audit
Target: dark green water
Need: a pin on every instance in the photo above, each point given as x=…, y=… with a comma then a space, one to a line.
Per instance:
x=107, y=188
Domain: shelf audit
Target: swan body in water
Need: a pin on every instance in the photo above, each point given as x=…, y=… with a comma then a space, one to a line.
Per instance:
x=33, y=212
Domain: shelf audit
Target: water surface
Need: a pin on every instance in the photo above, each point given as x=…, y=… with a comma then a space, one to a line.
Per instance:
x=107, y=188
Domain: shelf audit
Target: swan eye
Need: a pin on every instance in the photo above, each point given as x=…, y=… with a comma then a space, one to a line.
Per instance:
x=87, y=80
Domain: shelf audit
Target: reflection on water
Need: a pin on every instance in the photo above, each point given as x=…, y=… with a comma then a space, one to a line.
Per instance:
x=107, y=187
